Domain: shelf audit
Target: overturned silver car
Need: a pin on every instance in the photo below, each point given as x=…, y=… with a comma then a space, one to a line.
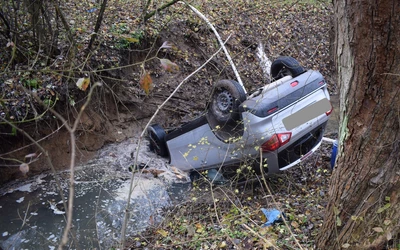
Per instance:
x=284, y=121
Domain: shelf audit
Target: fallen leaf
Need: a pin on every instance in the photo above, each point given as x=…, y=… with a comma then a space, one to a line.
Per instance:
x=24, y=168
x=30, y=155
x=378, y=229
x=132, y=39
x=386, y=206
x=338, y=221
x=154, y=172
x=168, y=65
x=264, y=230
x=199, y=228
x=146, y=83
x=387, y=222
x=389, y=236
x=222, y=244
x=190, y=230
x=177, y=172
x=294, y=224
x=166, y=45
x=83, y=83
x=151, y=220
x=336, y=210
x=346, y=245
x=162, y=232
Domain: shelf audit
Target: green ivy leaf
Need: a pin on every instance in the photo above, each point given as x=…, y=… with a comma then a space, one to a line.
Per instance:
x=380, y=210
x=338, y=221
x=13, y=131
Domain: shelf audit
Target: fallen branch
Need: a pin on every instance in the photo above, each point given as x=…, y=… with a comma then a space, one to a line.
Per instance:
x=71, y=130
x=220, y=42
x=149, y=15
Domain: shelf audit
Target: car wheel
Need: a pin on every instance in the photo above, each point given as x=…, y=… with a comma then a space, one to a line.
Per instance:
x=284, y=66
x=157, y=140
x=225, y=101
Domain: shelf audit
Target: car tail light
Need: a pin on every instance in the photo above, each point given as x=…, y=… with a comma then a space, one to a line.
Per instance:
x=294, y=84
x=272, y=110
x=276, y=141
x=330, y=111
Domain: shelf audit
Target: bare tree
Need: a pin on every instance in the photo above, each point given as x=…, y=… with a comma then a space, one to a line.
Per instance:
x=362, y=211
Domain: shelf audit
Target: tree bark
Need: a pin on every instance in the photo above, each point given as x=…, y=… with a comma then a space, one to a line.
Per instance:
x=98, y=24
x=364, y=197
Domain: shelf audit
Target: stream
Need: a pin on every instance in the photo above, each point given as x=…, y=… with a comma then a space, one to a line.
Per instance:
x=32, y=215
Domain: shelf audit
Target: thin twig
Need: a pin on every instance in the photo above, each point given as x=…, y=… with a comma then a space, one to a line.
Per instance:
x=72, y=164
x=26, y=214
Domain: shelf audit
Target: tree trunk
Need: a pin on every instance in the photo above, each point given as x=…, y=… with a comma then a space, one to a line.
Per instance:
x=364, y=199
x=98, y=24
x=34, y=9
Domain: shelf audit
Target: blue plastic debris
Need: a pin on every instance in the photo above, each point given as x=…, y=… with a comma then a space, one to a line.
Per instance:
x=334, y=153
x=91, y=10
x=272, y=215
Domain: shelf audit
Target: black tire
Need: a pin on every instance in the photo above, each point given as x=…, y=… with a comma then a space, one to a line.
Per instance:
x=284, y=66
x=157, y=140
x=225, y=101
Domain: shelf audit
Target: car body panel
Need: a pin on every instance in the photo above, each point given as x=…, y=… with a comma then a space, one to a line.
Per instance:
x=297, y=105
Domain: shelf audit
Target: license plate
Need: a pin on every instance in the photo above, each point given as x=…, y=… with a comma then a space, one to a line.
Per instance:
x=306, y=114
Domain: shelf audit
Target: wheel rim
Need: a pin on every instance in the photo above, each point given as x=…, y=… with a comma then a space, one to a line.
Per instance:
x=224, y=101
x=284, y=72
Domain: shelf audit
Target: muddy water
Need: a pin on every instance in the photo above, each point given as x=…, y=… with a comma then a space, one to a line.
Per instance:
x=32, y=217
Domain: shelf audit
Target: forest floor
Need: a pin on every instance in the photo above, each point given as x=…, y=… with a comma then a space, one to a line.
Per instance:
x=125, y=51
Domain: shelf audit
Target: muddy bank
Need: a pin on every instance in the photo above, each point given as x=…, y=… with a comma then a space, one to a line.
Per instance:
x=95, y=131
